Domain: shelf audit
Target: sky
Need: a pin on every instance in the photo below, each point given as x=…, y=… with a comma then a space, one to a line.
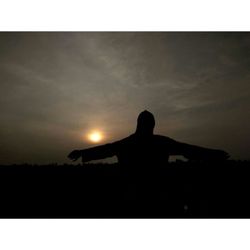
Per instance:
x=55, y=88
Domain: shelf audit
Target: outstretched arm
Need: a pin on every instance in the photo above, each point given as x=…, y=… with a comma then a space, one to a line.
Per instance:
x=193, y=152
x=95, y=153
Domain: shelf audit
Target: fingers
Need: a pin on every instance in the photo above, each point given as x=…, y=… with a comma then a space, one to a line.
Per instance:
x=71, y=155
x=226, y=155
x=223, y=155
x=74, y=155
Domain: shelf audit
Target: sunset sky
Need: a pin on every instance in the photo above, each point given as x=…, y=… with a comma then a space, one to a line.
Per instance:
x=57, y=89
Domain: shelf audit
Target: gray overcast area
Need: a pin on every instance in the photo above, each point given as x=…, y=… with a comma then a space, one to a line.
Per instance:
x=55, y=87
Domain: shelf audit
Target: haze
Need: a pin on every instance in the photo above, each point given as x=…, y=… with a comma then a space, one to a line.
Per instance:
x=56, y=87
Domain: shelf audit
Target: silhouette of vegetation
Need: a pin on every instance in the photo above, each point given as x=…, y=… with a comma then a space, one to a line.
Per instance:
x=184, y=190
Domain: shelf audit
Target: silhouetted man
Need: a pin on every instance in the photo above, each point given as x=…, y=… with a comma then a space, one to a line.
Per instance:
x=143, y=148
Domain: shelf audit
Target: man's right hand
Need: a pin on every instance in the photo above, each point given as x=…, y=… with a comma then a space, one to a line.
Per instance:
x=75, y=155
x=219, y=155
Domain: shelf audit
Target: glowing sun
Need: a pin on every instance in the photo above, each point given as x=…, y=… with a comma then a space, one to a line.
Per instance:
x=95, y=136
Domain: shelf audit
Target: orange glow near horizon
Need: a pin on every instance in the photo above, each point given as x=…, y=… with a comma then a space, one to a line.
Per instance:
x=95, y=136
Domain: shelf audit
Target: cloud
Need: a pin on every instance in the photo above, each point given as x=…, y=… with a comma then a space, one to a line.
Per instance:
x=59, y=85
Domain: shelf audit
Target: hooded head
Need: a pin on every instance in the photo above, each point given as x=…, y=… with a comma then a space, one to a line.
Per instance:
x=145, y=123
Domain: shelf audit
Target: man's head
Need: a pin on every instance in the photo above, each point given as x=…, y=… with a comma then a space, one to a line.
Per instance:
x=145, y=123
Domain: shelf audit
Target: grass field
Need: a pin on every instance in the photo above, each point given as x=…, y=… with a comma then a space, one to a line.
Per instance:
x=179, y=190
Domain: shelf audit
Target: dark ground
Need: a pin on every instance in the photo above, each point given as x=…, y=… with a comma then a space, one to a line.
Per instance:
x=180, y=190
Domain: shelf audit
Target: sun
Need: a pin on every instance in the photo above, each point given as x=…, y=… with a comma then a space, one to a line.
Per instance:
x=95, y=136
